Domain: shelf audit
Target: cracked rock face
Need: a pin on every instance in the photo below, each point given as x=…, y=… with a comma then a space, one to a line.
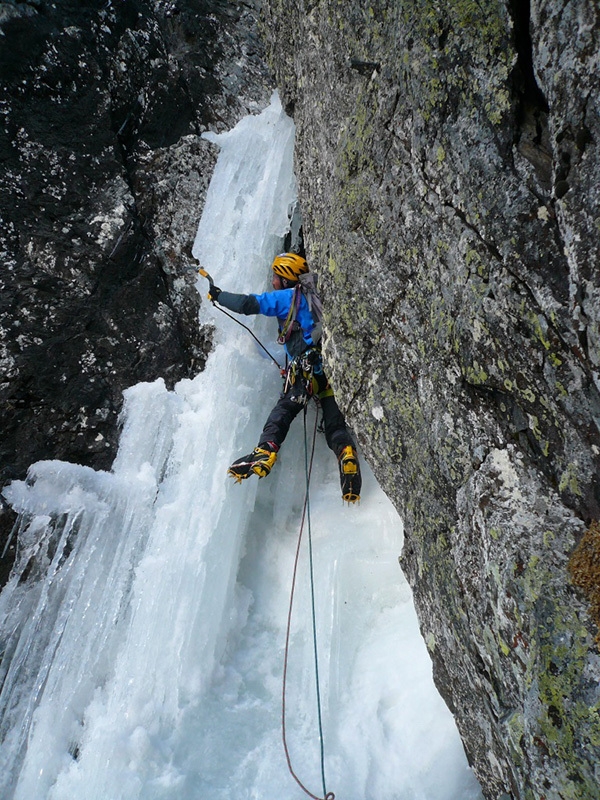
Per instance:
x=448, y=166
x=104, y=171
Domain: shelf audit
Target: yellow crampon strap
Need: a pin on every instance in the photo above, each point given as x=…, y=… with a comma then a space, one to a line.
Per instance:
x=349, y=466
x=327, y=391
x=351, y=497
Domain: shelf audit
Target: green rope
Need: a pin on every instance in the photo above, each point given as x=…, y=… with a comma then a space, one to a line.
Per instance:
x=308, y=469
x=312, y=595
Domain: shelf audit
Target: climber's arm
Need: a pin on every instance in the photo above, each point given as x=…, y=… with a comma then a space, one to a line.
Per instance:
x=239, y=303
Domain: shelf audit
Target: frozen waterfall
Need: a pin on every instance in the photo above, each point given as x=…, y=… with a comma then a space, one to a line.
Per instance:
x=142, y=630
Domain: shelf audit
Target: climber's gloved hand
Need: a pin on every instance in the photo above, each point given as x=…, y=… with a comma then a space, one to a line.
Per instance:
x=213, y=293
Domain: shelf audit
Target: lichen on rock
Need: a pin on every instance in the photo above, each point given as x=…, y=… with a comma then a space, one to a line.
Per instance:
x=448, y=165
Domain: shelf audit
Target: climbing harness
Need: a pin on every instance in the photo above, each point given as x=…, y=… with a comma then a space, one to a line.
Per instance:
x=305, y=516
x=306, y=370
x=205, y=274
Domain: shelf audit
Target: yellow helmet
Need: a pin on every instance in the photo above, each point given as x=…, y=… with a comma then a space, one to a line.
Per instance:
x=290, y=266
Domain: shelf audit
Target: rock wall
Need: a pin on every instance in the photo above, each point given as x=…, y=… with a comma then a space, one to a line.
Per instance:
x=448, y=165
x=102, y=106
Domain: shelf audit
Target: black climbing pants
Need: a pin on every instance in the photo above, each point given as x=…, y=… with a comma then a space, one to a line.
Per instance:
x=299, y=388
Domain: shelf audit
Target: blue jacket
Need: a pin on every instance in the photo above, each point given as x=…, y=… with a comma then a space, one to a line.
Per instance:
x=276, y=304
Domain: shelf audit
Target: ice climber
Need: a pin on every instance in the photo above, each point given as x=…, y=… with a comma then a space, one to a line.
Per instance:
x=304, y=377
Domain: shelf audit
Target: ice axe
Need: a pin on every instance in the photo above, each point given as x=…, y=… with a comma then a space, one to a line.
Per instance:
x=201, y=271
x=211, y=283
x=204, y=273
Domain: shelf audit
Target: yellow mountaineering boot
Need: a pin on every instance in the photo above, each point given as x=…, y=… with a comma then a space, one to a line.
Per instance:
x=259, y=462
x=350, y=478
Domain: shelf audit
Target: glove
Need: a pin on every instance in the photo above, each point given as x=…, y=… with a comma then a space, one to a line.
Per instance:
x=213, y=293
